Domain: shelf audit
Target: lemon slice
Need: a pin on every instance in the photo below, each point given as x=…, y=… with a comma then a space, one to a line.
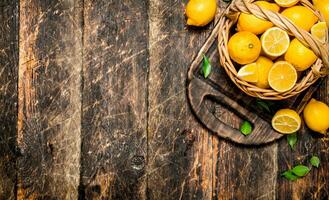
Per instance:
x=286, y=3
x=320, y=31
x=275, y=41
x=248, y=73
x=282, y=76
x=286, y=121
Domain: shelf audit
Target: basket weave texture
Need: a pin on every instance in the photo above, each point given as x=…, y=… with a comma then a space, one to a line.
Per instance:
x=319, y=69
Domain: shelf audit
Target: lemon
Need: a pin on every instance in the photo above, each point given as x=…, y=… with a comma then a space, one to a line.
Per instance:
x=200, y=12
x=323, y=7
x=248, y=73
x=316, y=116
x=244, y=47
x=286, y=3
x=286, y=121
x=301, y=16
x=263, y=68
x=257, y=72
x=320, y=31
x=249, y=22
x=282, y=76
x=299, y=55
x=275, y=42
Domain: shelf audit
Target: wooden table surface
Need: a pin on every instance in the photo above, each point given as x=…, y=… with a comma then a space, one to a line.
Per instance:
x=93, y=106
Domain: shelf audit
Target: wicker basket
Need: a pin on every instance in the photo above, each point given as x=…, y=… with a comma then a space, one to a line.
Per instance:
x=227, y=22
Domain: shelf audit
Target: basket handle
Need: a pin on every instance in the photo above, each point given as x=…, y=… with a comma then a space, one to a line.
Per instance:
x=198, y=91
x=320, y=49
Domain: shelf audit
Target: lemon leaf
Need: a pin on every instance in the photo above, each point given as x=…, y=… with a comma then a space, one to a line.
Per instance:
x=300, y=170
x=263, y=105
x=315, y=161
x=292, y=140
x=206, y=68
x=246, y=128
x=289, y=175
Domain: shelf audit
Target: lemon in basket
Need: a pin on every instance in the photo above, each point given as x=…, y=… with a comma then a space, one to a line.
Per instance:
x=316, y=116
x=286, y=3
x=249, y=22
x=299, y=55
x=286, y=121
x=263, y=67
x=244, y=47
x=275, y=42
x=257, y=72
x=323, y=7
x=200, y=12
x=248, y=73
x=301, y=16
x=282, y=76
x=320, y=31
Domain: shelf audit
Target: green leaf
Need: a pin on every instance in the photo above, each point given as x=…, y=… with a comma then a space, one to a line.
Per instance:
x=300, y=170
x=263, y=105
x=246, y=128
x=292, y=140
x=289, y=175
x=315, y=161
x=206, y=68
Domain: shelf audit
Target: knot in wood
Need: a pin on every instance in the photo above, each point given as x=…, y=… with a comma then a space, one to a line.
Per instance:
x=138, y=162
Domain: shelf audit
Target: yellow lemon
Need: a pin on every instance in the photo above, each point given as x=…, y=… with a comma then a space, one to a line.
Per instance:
x=244, y=47
x=320, y=31
x=248, y=73
x=200, y=12
x=301, y=17
x=249, y=22
x=286, y=3
x=323, y=7
x=282, y=76
x=257, y=72
x=263, y=68
x=275, y=42
x=286, y=121
x=299, y=55
x=316, y=116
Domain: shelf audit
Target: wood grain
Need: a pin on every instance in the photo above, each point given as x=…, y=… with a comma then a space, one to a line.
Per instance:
x=115, y=71
x=93, y=105
x=180, y=150
x=8, y=97
x=49, y=99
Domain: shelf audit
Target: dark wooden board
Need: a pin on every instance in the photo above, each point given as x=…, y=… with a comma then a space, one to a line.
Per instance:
x=114, y=104
x=49, y=99
x=8, y=96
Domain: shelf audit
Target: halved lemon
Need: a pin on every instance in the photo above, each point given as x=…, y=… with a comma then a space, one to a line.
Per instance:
x=320, y=31
x=249, y=73
x=286, y=121
x=275, y=41
x=286, y=3
x=282, y=76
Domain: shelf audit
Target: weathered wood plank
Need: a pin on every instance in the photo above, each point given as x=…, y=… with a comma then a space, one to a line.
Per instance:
x=246, y=173
x=180, y=150
x=49, y=118
x=114, y=122
x=8, y=96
